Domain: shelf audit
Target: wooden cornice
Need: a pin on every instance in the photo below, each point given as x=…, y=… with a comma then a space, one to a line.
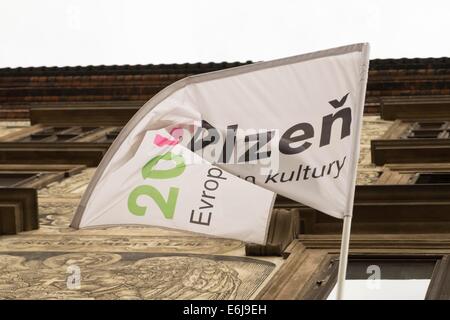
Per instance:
x=392, y=209
x=386, y=151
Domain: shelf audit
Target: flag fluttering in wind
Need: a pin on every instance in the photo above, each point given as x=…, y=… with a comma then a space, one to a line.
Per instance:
x=209, y=153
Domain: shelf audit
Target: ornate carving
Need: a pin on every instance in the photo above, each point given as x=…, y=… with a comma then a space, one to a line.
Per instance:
x=130, y=276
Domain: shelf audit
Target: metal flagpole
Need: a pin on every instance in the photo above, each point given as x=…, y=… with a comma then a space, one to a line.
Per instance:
x=343, y=259
x=345, y=242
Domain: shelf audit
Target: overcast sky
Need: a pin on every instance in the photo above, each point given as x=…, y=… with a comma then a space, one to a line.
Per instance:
x=94, y=32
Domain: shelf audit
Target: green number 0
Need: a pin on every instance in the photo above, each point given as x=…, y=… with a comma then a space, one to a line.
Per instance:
x=167, y=207
x=149, y=173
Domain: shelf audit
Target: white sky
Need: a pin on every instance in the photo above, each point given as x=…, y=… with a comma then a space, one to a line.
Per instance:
x=68, y=32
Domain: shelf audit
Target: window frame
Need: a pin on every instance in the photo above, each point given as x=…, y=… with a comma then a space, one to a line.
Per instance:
x=394, y=147
x=42, y=175
x=438, y=289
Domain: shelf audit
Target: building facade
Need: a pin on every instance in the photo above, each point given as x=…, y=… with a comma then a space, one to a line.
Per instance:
x=57, y=123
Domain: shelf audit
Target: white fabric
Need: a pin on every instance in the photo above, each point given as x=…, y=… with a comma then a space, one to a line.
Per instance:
x=268, y=96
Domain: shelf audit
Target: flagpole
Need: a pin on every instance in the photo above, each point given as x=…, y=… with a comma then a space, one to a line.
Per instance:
x=347, y=224
x=343, y=259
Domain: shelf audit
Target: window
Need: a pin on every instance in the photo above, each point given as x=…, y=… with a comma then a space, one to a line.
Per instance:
x=35, y=176
x=12, y=179
x=18, y=195
x=18, y=210
x=432, y=178
x=387, y=279
x=41, y=144
x=41, y=133
x=59, y=134
x=428, y=130
x=435, y=125
x=109, y=136
x=424, y=141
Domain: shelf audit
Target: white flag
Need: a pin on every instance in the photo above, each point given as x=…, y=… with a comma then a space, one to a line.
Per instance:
x=207, y=153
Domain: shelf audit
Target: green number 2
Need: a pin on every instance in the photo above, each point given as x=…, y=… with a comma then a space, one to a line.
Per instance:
x=166, y=207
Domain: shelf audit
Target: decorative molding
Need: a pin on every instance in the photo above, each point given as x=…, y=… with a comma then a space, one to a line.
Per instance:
x=410, y=151
x=82, y=116
x=432, y=108
x=395, y=209
x=82, y=153
x=283, y=228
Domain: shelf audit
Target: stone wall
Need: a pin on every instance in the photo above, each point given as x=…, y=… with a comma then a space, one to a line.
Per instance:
x=373, y=128
x=133, y=262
